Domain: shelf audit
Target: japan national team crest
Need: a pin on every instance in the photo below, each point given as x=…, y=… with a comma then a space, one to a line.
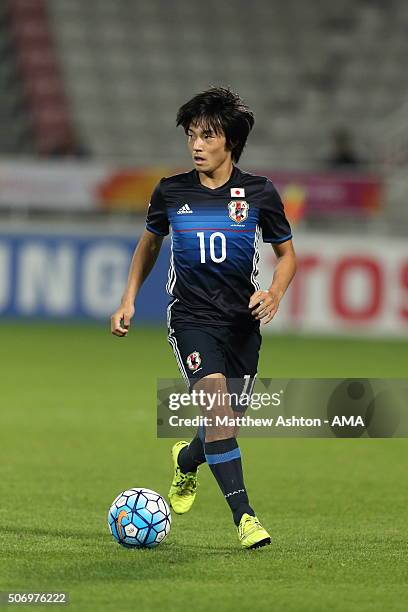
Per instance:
x=194, y=361
x=238, y=210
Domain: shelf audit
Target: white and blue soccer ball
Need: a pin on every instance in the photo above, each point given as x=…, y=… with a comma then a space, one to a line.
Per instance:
x=139, y=518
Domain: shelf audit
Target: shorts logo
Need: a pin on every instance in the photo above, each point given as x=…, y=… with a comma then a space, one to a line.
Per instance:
x=194, y=361
x=238, y=210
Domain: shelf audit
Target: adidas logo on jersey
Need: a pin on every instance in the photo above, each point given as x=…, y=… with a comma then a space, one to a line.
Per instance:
x=184, y=210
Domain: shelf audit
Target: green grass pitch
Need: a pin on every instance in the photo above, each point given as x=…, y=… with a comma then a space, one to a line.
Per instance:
x=77, y=426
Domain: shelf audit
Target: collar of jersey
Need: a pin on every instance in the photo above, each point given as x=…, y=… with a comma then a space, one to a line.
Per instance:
x=234, y=174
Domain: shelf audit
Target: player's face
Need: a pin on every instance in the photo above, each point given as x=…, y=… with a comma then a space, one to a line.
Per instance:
x=207, y=149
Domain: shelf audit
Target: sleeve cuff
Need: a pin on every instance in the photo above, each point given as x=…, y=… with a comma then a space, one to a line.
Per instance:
x=154, y=231
x=277, y=240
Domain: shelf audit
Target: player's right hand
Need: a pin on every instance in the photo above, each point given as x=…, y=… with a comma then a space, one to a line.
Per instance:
x=120, y=320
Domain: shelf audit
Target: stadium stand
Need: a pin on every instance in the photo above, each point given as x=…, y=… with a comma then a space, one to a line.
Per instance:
x=15, y=132
x=305, y=68
x=40, y=75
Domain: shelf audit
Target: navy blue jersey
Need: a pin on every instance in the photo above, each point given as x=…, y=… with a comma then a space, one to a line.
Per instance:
x=215, y=232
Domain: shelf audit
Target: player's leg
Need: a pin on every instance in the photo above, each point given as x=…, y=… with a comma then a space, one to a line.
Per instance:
x=241, y=365
x=224, y=459
x=197, y=352
x=203, y=344
x=221, y=447
x=192, y=455
x=242, y=355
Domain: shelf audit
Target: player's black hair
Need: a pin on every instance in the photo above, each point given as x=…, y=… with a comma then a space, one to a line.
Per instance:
x=223, y=111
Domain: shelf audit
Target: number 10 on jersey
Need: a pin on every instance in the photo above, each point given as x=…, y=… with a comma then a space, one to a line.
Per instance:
x=221, y=247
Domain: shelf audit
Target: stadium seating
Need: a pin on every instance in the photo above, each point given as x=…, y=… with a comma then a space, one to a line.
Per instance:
x=15, y=133
x=304, y=67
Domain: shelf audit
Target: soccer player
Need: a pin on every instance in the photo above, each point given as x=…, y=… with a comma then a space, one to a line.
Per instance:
x=217, y=213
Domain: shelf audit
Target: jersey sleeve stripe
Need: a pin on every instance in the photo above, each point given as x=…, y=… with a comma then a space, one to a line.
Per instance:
x=154, y=231
x=277, y=240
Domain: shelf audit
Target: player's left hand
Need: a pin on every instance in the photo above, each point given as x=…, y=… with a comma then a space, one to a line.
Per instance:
x=264, y=305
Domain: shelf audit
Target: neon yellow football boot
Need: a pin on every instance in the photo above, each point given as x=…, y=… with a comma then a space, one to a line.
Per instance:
x=184, y=486
x=251, y=533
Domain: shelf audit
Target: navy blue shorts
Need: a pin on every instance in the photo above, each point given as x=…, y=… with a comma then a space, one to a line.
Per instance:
x=203, y=350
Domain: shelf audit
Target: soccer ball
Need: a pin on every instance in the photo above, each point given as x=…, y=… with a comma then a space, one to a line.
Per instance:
x=139, y=518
